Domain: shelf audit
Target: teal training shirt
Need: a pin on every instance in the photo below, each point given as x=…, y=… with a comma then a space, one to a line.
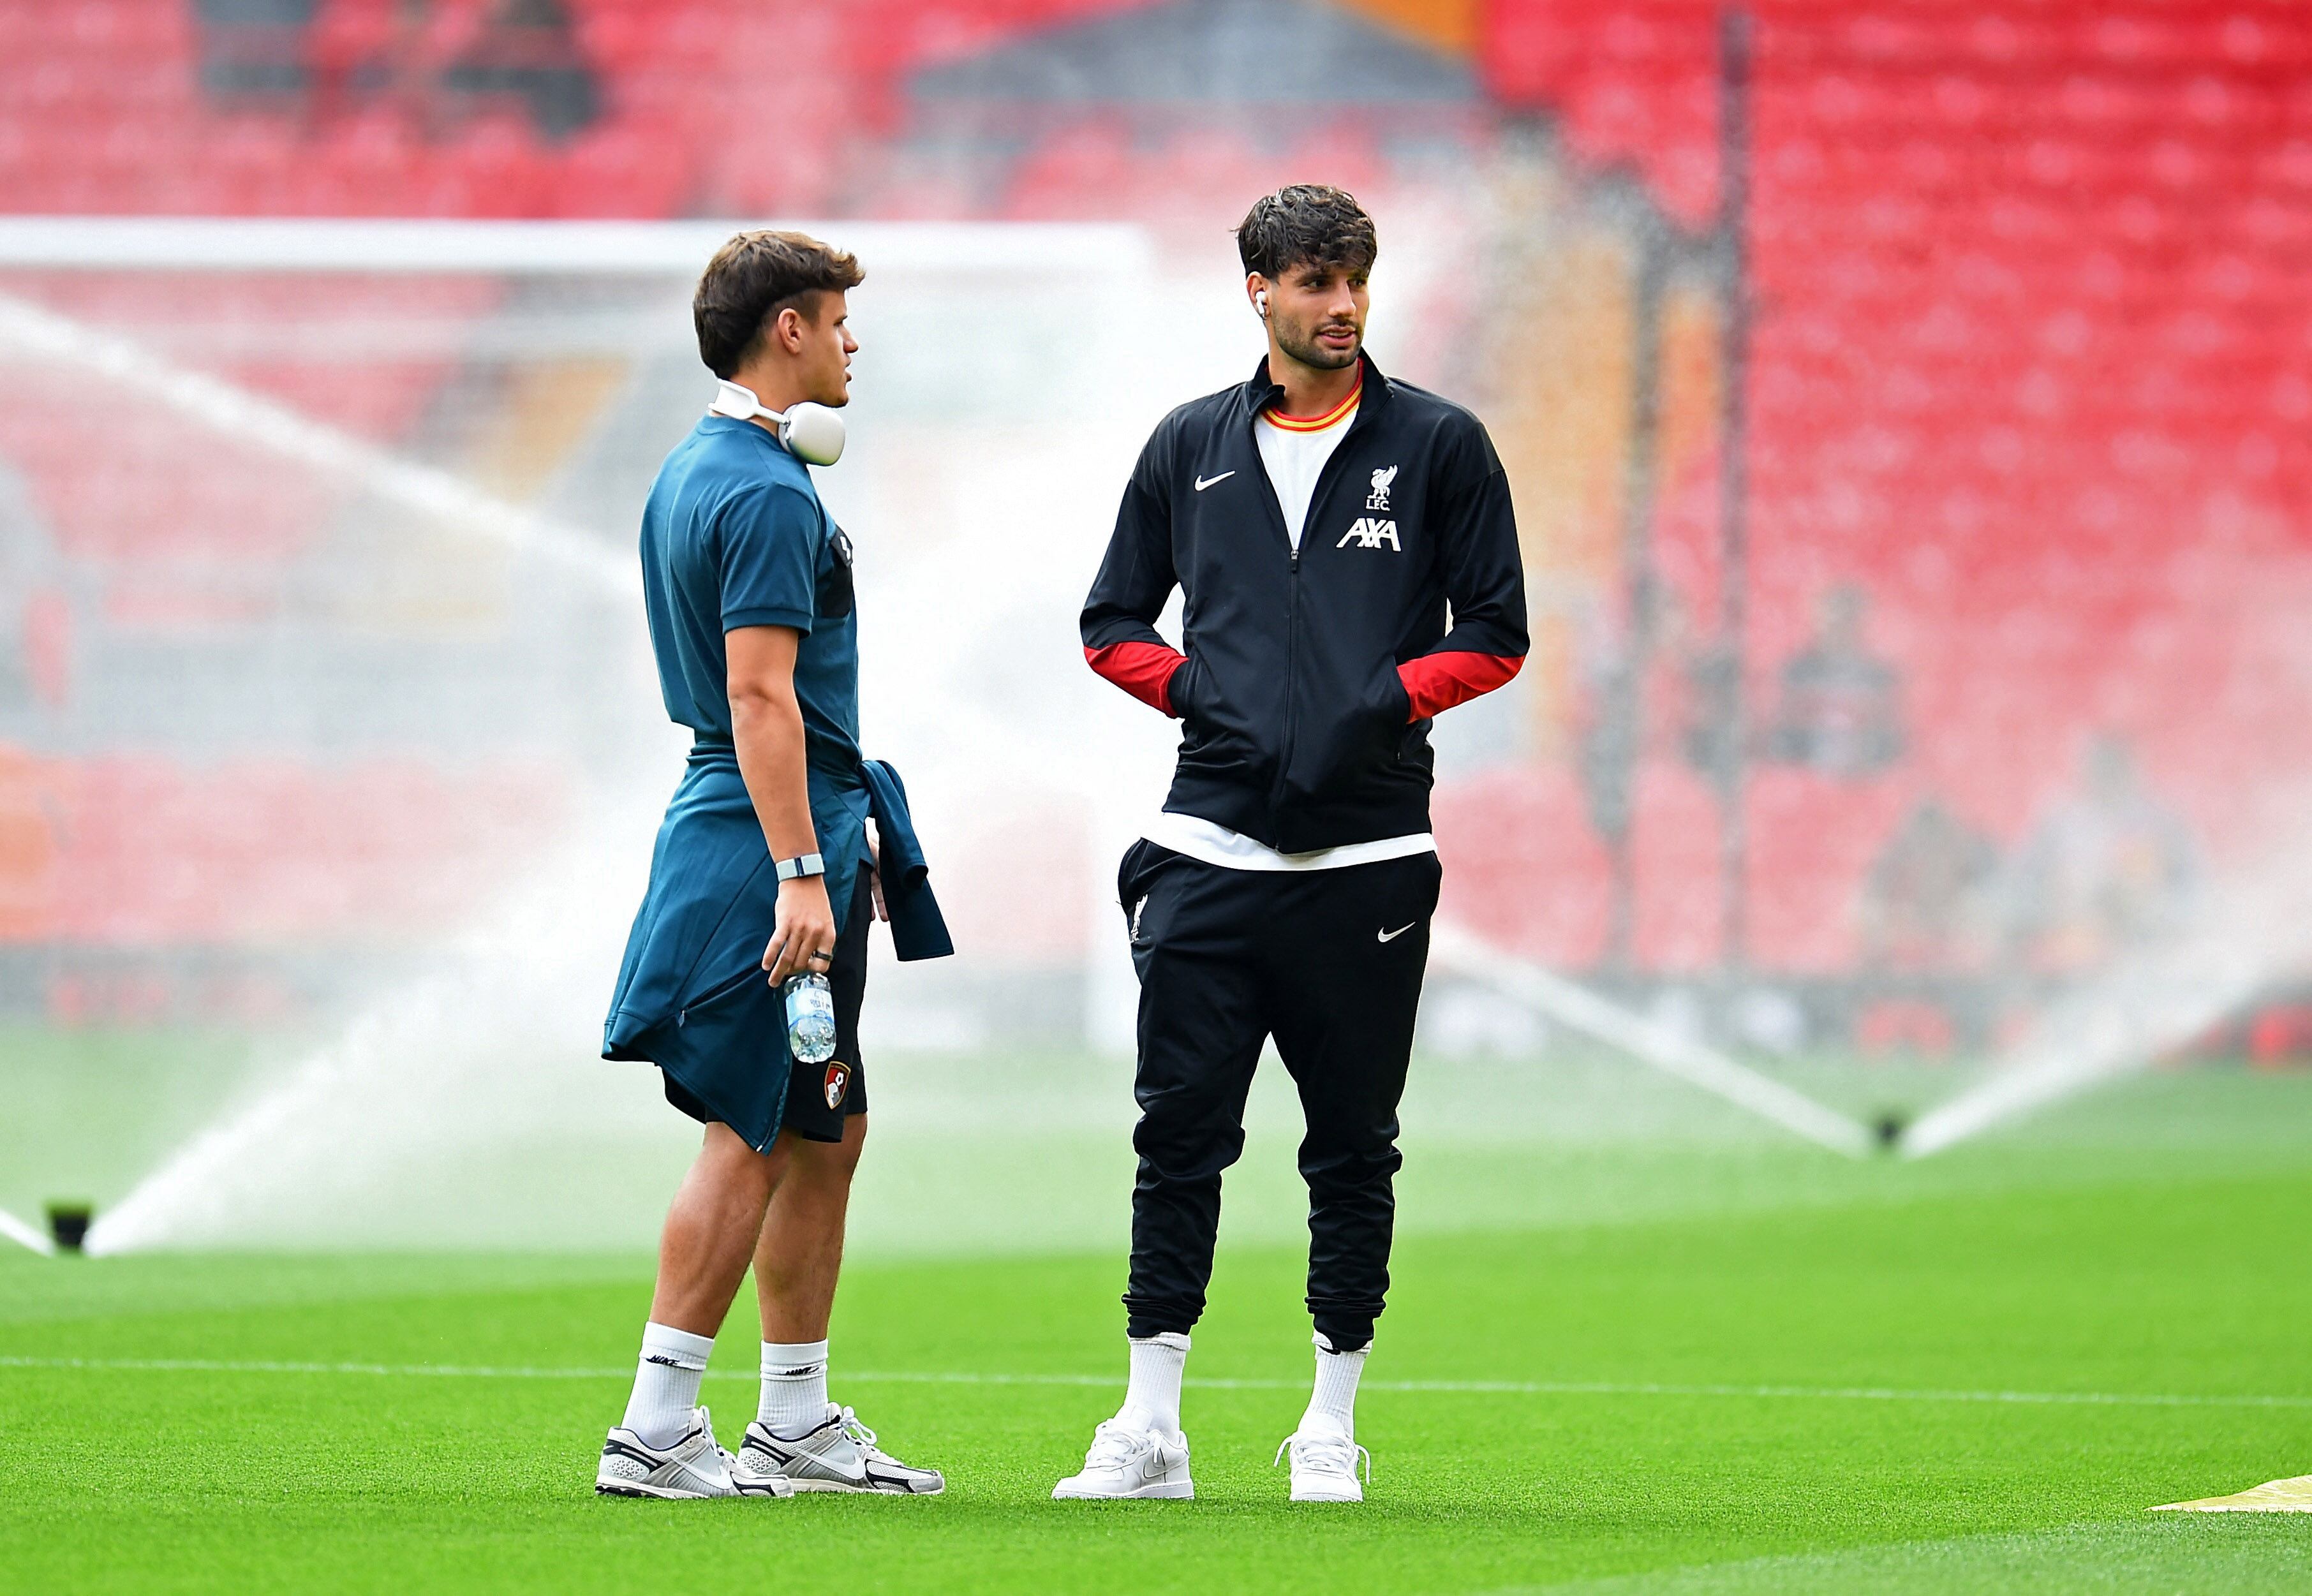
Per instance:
x=734, y=536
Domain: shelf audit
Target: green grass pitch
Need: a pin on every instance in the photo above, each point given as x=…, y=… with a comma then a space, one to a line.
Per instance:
x=1975, y=1373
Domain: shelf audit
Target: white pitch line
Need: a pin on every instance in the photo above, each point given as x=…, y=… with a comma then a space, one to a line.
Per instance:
x=15, y=1230
x=287, y=1366
x=1577, y=1008
x=228, y=408
x=1525, y=1388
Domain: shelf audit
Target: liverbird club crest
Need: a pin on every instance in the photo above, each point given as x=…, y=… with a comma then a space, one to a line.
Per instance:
x=1378, y=498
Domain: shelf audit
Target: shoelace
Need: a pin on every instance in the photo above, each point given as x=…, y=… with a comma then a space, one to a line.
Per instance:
x=863, y=1438
x=1112, y=1448
x=1328, y=1453
x=713, y=1445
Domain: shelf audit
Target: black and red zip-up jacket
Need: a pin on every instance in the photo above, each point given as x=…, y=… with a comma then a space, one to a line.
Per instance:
x=1310, y=679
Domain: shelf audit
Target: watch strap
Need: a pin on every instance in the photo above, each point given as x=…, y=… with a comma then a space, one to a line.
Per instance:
x=803, y=864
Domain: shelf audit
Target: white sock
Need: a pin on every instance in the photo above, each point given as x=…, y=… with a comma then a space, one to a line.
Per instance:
x=794, y=1388
x=666, y=1383
x=1152, y=1400
x=1333, y=1406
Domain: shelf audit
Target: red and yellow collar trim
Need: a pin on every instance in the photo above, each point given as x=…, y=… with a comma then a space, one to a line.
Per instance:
x=1316, y=424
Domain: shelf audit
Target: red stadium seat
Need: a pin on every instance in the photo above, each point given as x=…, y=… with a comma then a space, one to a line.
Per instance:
x=2031, y=289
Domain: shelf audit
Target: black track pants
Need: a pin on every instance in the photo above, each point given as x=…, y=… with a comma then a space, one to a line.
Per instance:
x=1330, y=963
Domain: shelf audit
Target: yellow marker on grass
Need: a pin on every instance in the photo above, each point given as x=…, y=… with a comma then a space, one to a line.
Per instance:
x=2279, y=1495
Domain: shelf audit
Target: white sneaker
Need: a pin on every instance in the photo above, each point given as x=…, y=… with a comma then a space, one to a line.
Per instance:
x=1325, y=1467
x=839, y=1455
x=1129, y=1463
x=693, y=1465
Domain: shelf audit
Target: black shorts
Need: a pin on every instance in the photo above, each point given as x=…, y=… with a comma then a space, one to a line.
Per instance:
x=821, y=1096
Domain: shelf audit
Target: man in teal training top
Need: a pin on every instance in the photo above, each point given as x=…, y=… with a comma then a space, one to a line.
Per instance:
x=748, y=587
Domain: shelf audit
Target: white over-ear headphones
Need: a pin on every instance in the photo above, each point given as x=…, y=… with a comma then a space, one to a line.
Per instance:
x=1260, y=298
x=811, y=432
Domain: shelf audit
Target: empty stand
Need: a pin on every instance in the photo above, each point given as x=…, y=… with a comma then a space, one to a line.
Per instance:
x=715, y=105
x=2033, y=324
x=2032, y=362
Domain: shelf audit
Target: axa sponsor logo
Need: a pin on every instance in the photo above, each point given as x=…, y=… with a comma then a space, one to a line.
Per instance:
x=1370, y=532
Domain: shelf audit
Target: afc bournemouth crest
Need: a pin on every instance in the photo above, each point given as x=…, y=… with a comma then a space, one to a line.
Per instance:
x=838, y=1081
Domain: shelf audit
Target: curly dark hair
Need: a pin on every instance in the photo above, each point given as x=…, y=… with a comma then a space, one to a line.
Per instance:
x=755, y=277
x=1306, y=224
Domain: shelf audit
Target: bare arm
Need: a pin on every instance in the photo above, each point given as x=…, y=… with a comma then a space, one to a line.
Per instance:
x=767, y=726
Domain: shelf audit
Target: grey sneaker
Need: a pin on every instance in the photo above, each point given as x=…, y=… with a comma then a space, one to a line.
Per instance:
x=839, y=1455
x=693, y=1465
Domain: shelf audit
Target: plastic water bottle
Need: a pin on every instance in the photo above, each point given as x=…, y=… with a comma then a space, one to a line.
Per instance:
x=811, y=1019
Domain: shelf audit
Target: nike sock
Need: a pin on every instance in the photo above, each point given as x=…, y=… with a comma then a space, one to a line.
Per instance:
x=1152, y=1400
x=1333, y=1406
x=794, y=1388
x=666, y=1383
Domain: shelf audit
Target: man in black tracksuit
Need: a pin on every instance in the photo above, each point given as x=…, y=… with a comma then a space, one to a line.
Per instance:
x=1322, y=522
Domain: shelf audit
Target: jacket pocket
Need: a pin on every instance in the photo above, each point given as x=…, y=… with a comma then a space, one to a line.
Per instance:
x=1217, y=728
x=1397, y=707
x=1347, y=738
x=718, y=996
x=1182, y=687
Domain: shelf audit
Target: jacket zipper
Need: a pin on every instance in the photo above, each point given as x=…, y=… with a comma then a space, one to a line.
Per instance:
x=1291, y=659
x=1291, y=611
x=1292, y=594
x=1325, y=479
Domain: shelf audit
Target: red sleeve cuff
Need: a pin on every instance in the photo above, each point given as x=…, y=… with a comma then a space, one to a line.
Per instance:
x=1436, y=682
x=1143, y=670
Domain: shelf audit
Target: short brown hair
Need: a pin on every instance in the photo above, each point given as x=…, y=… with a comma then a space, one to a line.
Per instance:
x=751, y=279
x=1306, y=224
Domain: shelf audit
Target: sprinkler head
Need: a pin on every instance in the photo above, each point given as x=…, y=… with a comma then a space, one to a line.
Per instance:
x=68, y=1225
x=1888, y=1128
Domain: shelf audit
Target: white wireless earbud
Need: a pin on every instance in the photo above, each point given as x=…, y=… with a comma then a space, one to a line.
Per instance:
x=811, y=432
x=1260, y=298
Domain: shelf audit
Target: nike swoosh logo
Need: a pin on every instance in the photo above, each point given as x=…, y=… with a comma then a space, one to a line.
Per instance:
x=795, y=1458
x=1205, y=482
x=1390, y=936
